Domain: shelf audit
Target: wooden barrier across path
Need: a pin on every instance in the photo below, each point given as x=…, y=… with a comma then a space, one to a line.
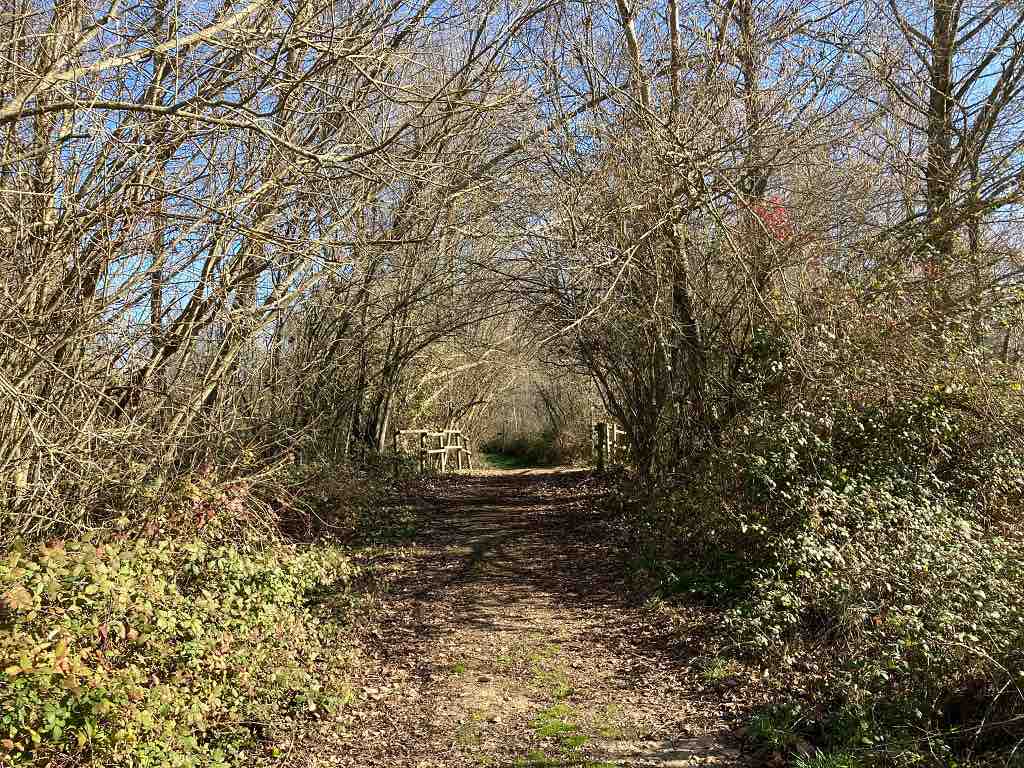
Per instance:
x=438, y=446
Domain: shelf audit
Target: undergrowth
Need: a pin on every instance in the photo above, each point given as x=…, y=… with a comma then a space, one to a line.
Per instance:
x=871, y=557
x=194, y=621
x=166, y=651
x=547, y=448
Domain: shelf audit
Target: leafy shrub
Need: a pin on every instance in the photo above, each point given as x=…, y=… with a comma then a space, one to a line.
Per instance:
x=918, y=603
x=163, y=652
x=883, y=540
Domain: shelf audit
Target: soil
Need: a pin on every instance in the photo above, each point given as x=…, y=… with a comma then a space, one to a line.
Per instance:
x=507, y=637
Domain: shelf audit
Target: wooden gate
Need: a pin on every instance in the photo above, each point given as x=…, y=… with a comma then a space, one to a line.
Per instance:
x=437, y=447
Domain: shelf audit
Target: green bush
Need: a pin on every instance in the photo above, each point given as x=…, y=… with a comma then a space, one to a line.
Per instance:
x=528, y=450
x=163, y=652
x=881, y=542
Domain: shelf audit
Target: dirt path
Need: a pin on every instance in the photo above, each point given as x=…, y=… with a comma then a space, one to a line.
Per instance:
x=506, y=641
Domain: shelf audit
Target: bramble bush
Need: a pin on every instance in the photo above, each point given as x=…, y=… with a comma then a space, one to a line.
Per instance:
x=167, y=651
x=242, y=502
x=327, y=501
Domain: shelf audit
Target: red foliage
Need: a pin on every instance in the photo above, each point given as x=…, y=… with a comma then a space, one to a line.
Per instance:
x=773, y=217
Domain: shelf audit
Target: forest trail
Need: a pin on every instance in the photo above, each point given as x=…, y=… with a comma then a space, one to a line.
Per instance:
x=505, y=640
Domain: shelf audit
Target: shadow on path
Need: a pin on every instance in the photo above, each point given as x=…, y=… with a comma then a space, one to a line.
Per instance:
x=508, y=638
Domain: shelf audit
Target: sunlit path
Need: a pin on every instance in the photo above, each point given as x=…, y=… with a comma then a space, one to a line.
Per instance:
x=506, y=642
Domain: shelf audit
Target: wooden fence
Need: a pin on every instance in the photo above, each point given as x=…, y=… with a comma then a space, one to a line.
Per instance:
x=437, y=447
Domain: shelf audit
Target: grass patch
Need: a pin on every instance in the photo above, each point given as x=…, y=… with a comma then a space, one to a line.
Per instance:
x=557, y=722
x=547, y=672
x=506, y=461
x=554, y=722
x=556, y=682
x=537, y=759
x=608, y=722
x=714, y=669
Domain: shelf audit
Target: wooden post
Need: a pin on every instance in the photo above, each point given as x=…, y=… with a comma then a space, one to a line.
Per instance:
x=394, y=450
x=443, y=445
x=423, y=451
x=458, y=453
x=602, y=441
x=593, y=428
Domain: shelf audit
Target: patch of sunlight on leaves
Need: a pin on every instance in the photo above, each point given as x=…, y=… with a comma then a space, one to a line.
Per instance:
x=828, y=760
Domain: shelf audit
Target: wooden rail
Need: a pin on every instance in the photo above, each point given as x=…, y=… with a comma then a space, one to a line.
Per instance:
x=450, y=442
